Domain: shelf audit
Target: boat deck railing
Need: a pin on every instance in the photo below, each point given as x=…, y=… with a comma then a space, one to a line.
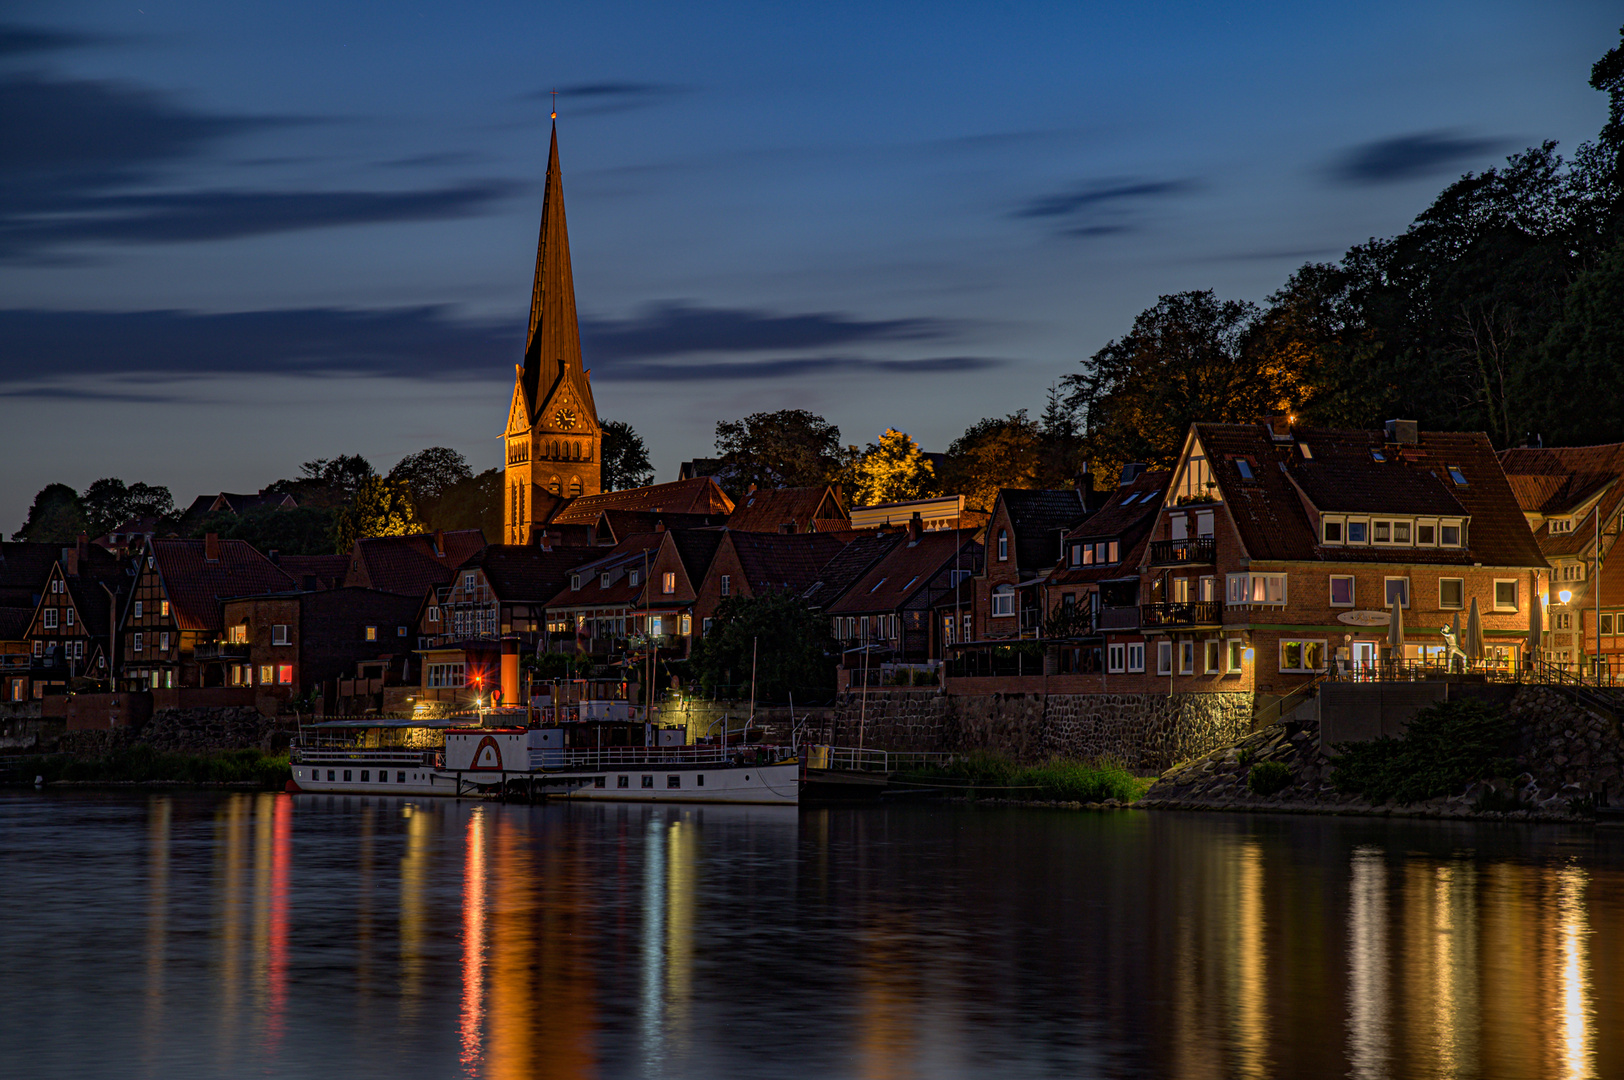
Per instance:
x=856, y=759
x=570, y=759
x=432, y=759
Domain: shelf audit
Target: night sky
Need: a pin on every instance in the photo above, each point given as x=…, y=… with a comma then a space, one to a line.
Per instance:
x=237, y=236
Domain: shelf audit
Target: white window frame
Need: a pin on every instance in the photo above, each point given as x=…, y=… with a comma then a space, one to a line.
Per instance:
x=1001, y=603
x=279, y=634
x=1180, y=590
x=1241, y=588
x=1186, y=658
x=727, y=585
x=468, y=581
x=1136, y=656
x=1116, y=659
x=668, y=582
x=1341, y=524
x=1164, y=658
x=1459, y=525
x=1516, y=586
x=1442, y=606
x=1378, y=526
x=163, y=641
x=1426, y=523
x=1212, y=656
x=136, y=644
x=1387, y=592
x=1003, y=545
x=632, y=578
x=136, y=614
x=1321, y=642
x=1234, y=655
x=1347, y=532
x=49, y=618
x=1353, y=591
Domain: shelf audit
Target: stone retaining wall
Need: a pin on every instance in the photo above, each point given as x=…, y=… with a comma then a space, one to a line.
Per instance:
x=226, y=727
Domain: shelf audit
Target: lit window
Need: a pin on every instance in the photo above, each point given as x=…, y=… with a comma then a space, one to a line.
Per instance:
x=267, y=674
x=1302, y=656
x=372, y=633
x=668, y=582
x=1308, y=455
x=163, y=608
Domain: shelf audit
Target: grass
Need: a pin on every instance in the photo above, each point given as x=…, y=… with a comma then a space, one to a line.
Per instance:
x=142, y=764
x=1056, y=780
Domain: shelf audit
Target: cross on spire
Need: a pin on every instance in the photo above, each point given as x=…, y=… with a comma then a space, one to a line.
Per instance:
x=555, y=103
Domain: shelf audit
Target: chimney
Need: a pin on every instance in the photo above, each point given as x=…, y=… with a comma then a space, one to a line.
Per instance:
x=70, y=561
x=1279, y=427
x=659, y=526
x=211, y=547
x=84, y=547
x=751, y=490
x=915, y=527
x=275, y=556
x=439, y=543
x=1130, y=472
x=1404, y=432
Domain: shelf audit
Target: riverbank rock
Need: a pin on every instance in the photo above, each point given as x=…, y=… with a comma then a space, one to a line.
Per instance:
x=1566, y=758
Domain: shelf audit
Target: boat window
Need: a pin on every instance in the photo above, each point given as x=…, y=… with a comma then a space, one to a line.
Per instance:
x=329, y=774
x=701, y=781
x=400, y=778
x=346, y=774
x=600, y=781
x=624, y=781
x=648, y=781
x=366, y=774
x=673, y=781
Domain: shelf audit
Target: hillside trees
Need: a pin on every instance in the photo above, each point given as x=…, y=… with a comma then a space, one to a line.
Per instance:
x=625, y=457
x=788, y=448
x=892, y=470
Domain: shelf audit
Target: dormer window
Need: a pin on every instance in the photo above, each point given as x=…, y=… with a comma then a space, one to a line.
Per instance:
x=575, y=582
x=1331, y=530
x=1456, y=475
x=603, y=581
x=1308, y=455
x=1561, y=525
x=1077, y=554
x=1377, y=455
x=631, y=577
x=1449, y=534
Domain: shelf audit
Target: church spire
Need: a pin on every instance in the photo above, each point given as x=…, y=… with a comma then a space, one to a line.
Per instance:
x=553, y=344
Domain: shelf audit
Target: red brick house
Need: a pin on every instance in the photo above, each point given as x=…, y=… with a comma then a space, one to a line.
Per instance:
x=890, y=605
x=408, y=565
x=760, y=564
x=1023, y=546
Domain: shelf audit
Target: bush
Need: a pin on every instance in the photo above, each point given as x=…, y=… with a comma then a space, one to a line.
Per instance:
x=1447, y=747
x=143, y=764
x=1058, y=779
x=921, y=677
x=1268, y=777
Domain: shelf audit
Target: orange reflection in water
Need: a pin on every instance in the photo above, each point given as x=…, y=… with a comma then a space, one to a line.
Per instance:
x=276, y=969
x=158, y=827
x=1575, y=1008
x=473, y=943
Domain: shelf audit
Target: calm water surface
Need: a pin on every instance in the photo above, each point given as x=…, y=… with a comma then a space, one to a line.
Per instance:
x=192, y=935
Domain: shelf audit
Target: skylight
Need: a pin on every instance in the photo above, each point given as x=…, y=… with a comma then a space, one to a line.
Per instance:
x=910, y=584
x=1456, y=475
x=1377, y=455
x=877, y=585
x=1130, y=498
x=1308, y=455
x=1245, y=467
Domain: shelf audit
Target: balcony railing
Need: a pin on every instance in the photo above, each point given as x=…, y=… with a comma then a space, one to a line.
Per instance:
x=220, y=650
x=1119, y=618
x=1198, y=549
x=1187, y=613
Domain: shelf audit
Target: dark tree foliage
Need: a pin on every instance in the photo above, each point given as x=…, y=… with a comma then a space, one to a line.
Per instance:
x=56, y=517
x=474, y=503
x=996, y=453
x=625, y=457
x=108, y=503
x=327, y=482
x=428, y=475
x=794, y=648
x=789, y=448
x=304, y=530
x=1585, y=355
x=1446, y=747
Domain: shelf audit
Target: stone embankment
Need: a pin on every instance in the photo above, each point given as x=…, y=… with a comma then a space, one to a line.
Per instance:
x=196, y=730
x=1566, y=757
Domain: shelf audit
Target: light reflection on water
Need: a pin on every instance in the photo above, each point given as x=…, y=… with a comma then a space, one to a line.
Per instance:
x=194, y=935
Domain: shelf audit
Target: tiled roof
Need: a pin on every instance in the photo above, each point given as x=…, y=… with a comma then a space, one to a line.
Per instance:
x=14, y=622
x=898, y=577
x=700, y=495
x=1128, y=514
x=696, y=548
x=1273, y=523
x=767, y=510
x=791, y=562
x=195, y=586
x=618, y=524
x=1558, y=481
x=850, y=563
x=519, y=573
x=322, y=571
x=24, y=568
x=408, y=564
x=1039, y=518
x=632, y=553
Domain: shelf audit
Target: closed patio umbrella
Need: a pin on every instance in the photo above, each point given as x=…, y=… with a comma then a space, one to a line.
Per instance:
x=1535, y=625
x=1474, y=633
x=1395, y=631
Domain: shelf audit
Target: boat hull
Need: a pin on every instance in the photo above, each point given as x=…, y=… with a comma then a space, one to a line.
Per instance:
x=776, y=784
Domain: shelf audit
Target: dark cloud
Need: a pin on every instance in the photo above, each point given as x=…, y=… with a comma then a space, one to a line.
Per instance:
x=72, y=151
x=1406, y=157
x=1100, y=208
x=427, y=343
x=71, y=393
x=19, y=40
x=601, y=98
x=675, y=329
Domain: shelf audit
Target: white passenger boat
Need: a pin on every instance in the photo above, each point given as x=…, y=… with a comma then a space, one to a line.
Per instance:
x=609, y=755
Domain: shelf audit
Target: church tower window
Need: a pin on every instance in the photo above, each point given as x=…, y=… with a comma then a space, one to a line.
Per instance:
x=575, y=488
x=554, y=486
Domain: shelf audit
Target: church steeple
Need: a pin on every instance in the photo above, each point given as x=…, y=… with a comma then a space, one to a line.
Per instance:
x=552, y=346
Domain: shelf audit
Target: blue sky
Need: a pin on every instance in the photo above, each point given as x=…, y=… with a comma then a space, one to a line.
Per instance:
x=234, y=237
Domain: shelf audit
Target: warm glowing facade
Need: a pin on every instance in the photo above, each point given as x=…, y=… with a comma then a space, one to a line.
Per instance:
x=553, y=438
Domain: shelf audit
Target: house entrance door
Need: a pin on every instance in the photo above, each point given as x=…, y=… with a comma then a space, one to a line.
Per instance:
x=1364, y=659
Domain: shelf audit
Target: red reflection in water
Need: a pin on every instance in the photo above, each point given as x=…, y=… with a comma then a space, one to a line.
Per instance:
x=276, y=969
x=473, y=945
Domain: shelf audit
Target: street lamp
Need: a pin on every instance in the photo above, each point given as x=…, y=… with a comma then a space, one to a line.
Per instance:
x=1565, y=595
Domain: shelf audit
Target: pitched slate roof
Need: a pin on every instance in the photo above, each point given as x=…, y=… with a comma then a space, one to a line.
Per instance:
x=24, y=569
x=408, y=565
x=782, y=562
x=1269, y=512
x=618, y=524
x=195, y=586
x=316, y=571
x=768, y=510
x=700, y=495
x=850, y=563
x=1558, y=481
x=903, y=573
x=1039, y=517
x=632, y=553
x=519, y=573
x=1127, y=514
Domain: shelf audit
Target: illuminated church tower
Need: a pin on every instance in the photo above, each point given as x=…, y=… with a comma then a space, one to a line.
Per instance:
x=554, y=441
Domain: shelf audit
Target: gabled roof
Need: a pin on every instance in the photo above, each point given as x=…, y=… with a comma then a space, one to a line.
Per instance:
x=701, y=495
x=904, y=572
x=316, y=571
x=92, y=589
x=24, y=569
x=783, y=562
x=849, y=564
x=1562, y=481
x=195, y=585
x=1273, y=521
x=632, y=553
x=617, y=524
x=770, y=510
x=409, y=564
x=696, y=548
x=1039, y=517
x=1128, y=515
x=520, y=574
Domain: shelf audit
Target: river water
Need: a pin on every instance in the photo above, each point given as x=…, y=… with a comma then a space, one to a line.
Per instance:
x=201, y=935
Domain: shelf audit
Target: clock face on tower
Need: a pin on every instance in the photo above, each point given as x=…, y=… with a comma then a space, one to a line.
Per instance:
x=565, y=419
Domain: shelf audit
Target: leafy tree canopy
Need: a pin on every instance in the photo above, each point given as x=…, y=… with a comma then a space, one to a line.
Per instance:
x=327, y=482
x=380, y=508
x=428, y=476
x=788, y=448
x=108, y=503
x=625, y=458
x=303, y=530
x=474, y=503
x=56, y=517
x=993, y=454
x=793, y=649
x=892, y=470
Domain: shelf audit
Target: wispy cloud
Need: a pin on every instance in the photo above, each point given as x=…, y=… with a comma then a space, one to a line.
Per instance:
x=602, y=98
x=1406, y=157
x=674, y=329
x=1100, y=207
x=17, y=39
x=791, y=367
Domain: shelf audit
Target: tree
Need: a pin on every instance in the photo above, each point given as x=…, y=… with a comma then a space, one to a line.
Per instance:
x=789, y=448
x=56, y=517
x=1585, y=352
x=475, y=503
x=108, y=503
x=791, y=644
x=302, y=530
x=380, y=508
x=625, y=458
x=428, y=475
x=327, y=482
x=1184, y=361
x=892, y=470
x=993, y=454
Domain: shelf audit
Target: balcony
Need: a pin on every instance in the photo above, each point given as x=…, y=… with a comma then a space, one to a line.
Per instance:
x=1187, y=614
x=220, y=650
x=1119, y=618
x=1198, y=550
